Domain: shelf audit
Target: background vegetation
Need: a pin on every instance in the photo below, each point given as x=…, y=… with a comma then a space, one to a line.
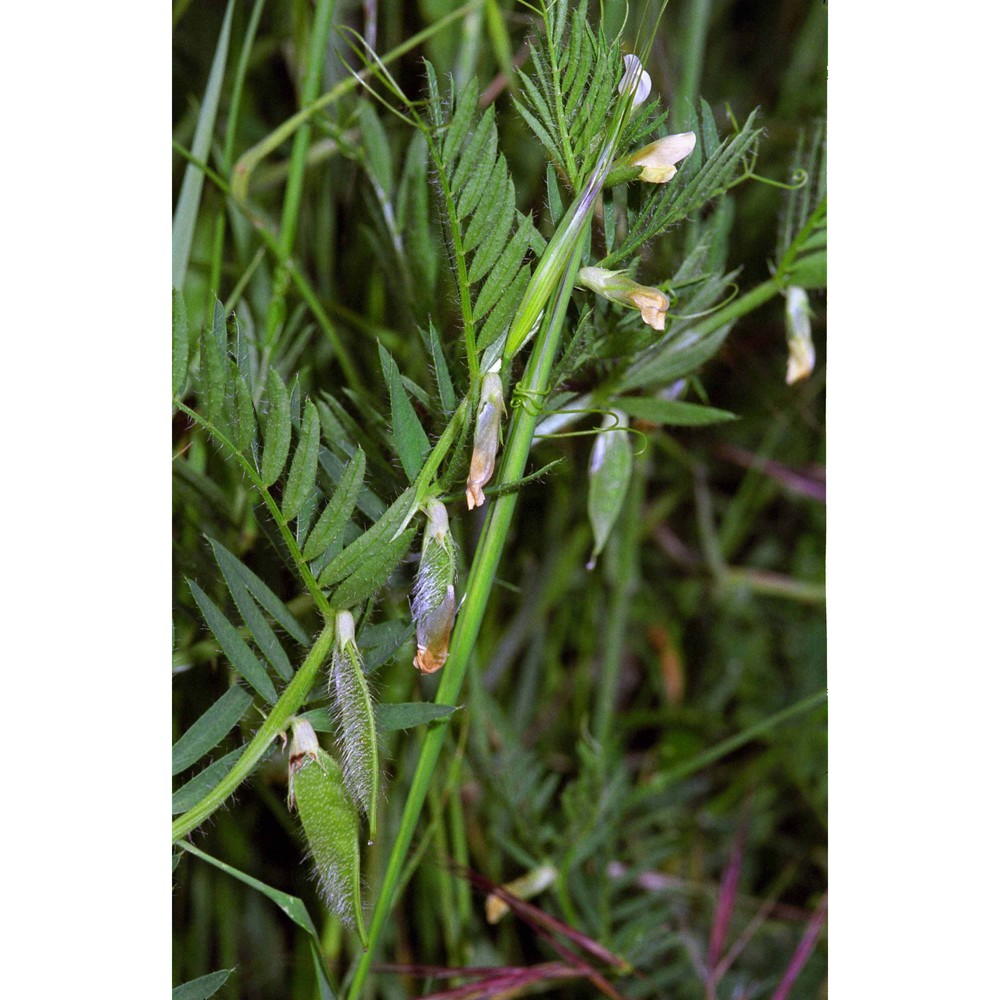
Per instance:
x=654, y=729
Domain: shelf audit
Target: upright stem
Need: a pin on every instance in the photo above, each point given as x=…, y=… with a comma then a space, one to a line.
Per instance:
x=481, y=577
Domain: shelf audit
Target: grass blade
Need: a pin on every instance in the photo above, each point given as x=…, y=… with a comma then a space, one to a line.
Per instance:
x=186, y=212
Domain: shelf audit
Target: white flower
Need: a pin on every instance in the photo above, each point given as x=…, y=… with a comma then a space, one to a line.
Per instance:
x=636, y=79
x=659, y=158
x=618, y=287
x=801, y=353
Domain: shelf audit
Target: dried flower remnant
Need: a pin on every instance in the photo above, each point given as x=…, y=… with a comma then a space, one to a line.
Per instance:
x=801, y=353
x=434, y=593
x=486, y=440
x=659, y=159
x=525, y=887
x=616, y=286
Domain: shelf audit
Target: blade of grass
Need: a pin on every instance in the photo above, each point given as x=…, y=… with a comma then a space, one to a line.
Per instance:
x=297, y=168
x=186, y=212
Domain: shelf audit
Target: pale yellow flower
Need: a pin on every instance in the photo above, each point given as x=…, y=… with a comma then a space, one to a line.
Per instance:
x=658, y=160
x=618, y=287
x=652, y=305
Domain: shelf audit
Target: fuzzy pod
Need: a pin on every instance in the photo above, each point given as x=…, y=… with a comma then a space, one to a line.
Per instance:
x=486, y=440
x=433, y=603
x=330, y=822
x=610, y=470
x=353, y=715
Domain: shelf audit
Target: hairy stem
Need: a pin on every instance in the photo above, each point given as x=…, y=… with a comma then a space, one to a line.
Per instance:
x=285, y=707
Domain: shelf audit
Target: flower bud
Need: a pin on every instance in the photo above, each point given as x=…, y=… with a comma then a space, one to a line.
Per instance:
x=636, y=79
x=801, y=353
x=486, y=439
x=434, y=593
x=659, y=158
x=618, y=287
x=330, y=823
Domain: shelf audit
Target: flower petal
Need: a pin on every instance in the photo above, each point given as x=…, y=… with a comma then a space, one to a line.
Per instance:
x=636, y=79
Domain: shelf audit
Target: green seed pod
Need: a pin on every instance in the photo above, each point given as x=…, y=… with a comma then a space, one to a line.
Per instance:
x=610, y=469
x=434, y=594
x=330, y=822
x=354, y=716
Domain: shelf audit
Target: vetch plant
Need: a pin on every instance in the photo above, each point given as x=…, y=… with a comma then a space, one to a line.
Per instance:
x=401, y=328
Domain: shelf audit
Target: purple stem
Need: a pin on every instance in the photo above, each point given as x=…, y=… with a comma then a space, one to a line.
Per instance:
x=803, y=951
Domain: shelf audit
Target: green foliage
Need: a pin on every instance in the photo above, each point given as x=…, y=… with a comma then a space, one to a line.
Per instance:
x=488, y=237
x=372, y=227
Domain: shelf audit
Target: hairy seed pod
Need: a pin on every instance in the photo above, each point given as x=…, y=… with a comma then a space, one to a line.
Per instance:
x=433, y=602
x=354, y=717
x=330, y=821
x=486, y=439
x=610, y=469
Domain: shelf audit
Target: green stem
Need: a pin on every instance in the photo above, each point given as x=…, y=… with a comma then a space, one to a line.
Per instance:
x=770, y=584
x=291, y=700
x=740, y=307
x=480, y=582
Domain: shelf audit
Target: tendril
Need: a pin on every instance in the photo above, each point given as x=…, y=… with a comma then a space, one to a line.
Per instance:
x=719, y=305
x=529, y=400
x=616, y=426
x=800, y=178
